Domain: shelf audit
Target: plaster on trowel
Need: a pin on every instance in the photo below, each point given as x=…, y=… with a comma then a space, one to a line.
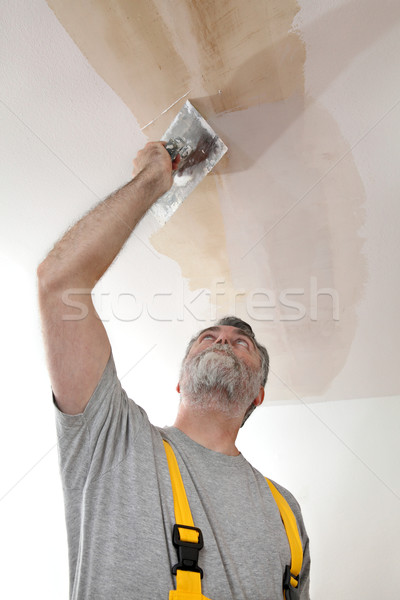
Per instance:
x=200, y=149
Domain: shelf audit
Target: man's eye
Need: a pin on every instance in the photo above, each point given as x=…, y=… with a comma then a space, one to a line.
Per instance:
x=243, y=342
x=208, y=336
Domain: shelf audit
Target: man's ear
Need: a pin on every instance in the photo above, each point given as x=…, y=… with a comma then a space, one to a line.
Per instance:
x=178, y=388
x=256, y=402
x=260, y=398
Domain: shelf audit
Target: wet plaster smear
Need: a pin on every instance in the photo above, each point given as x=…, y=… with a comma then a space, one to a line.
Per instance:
x=275, y=228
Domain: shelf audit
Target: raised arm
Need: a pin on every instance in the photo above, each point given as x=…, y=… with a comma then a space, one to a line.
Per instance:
x=76, y=342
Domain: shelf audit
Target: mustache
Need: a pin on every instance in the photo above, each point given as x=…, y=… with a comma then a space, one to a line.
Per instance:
x=224, y=350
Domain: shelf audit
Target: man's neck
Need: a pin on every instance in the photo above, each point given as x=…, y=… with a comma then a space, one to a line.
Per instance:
x=210, y=429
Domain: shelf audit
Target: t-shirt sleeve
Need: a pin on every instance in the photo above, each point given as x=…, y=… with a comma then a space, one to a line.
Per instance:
x=93, y=442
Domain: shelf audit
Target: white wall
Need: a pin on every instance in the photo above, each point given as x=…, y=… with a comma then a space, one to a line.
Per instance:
x=340, y=459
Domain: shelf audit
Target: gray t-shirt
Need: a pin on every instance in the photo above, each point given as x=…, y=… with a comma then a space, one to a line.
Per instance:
x=120, y=514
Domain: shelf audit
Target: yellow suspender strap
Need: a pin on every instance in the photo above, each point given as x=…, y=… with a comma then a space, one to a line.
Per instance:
x=188, y=583
x=290, y=524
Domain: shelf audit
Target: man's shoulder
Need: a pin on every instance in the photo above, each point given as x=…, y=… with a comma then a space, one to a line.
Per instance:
x=289, y=497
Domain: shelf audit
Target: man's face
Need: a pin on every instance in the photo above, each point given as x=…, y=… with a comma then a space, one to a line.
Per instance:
x=222, y=371
x=242, y=345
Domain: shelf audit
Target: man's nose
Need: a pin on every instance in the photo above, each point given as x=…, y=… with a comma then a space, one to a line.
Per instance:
x=222, y=339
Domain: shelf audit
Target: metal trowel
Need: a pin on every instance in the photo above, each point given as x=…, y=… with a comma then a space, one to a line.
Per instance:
x=200, y=149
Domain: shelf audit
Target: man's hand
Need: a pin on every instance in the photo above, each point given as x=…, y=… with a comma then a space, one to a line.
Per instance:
x=154, y=163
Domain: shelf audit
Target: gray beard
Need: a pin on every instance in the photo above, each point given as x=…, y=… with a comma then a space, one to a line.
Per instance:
x=216, y=379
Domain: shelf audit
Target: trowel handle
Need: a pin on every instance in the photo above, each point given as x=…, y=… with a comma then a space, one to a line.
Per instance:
x=177, y=146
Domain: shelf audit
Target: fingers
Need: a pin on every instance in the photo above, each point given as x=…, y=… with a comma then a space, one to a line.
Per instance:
x=155, y=166
x=150, y=154
x=175, y=162
x=154, y=152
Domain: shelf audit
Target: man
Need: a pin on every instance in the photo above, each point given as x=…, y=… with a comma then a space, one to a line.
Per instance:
x=117, y=487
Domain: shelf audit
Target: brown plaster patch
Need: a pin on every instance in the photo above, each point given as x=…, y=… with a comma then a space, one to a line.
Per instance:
x=130, y=47
x=151, y=52
x=195, y=238
x=239, y=53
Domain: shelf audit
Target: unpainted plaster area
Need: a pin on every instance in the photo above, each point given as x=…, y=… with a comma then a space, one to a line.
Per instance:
x=195, y=238
x=292, y=223
x=151, y=52
x=281, y=214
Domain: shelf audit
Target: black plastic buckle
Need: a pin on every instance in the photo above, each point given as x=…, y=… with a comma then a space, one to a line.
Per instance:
x=291, y=593
x=188, y=552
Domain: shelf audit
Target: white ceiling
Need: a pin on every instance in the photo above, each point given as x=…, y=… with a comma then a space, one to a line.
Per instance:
x=316, y=203
x=328, y=158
